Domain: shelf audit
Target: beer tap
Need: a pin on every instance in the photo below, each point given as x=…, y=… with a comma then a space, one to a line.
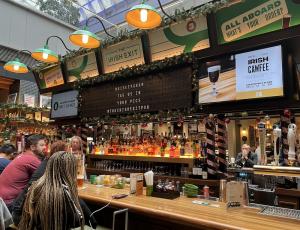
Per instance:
x=277, y=136
x=292, y=128
x=262, y=142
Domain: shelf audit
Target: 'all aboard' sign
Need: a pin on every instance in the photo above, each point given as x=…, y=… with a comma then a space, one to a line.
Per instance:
x=252, y=17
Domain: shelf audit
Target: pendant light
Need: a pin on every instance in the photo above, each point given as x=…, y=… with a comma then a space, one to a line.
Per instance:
x=45, y=54
x=85, y=38
x=144, y=16
x=16, y=66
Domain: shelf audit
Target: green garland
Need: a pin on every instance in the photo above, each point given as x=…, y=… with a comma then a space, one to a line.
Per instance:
x=21, y=107
x=138, y=70
x=138, y=118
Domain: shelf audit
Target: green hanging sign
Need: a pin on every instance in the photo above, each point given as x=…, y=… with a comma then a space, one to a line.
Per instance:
x=182, y=37
x=250, y=18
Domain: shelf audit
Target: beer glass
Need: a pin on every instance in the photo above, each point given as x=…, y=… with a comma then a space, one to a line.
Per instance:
x=80, y=160
x=213, y=74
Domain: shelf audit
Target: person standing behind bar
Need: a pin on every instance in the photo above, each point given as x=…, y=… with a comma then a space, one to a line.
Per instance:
x=52, y=201
x=6, y=155
x=246, y=158
x=16, y=175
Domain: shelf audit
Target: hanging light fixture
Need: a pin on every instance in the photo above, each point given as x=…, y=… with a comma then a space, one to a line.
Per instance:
x=45, y=54
x=16, y=66
x=85, y=38
x=144, y=16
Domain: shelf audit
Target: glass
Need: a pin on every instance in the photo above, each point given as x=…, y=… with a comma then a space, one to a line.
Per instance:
x=213, y=74
x=80, y=180
x=80, y=161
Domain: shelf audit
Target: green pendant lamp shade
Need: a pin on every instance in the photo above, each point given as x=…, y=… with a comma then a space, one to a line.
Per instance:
x=84, y=38
x=45, y=55
x=143, y=16
x=16, y=66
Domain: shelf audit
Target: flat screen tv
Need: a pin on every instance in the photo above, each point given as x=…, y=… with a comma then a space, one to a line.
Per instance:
x=250, y=75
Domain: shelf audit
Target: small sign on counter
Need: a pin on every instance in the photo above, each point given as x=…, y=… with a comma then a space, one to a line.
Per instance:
x=136, y=183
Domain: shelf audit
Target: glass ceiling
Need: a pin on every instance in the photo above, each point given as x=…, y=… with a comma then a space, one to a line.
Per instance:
x=75, y=12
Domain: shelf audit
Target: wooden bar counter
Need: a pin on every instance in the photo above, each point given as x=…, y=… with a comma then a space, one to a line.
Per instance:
x=183, y=211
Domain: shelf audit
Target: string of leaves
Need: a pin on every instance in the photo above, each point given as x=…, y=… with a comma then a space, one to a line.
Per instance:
x=21, y=108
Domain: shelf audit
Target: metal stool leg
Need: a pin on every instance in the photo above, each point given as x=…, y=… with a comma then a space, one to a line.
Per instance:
x=126, y=217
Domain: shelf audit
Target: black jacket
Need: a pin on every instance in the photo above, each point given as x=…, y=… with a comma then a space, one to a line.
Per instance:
x=19, y=202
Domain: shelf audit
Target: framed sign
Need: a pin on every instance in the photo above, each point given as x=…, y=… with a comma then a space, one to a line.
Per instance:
x=183, y=37
x=45, y=101
x=122, y=55
x=167, y=90
x=50, y=77
x=249, y=18
x=12, y=98
x=82, y=67
x=38, y=116
x=64, y=104
x=29, y=100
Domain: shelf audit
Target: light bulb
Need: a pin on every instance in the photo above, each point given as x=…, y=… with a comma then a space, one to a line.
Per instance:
x=144, y=15
x=16, y=67
x=45, y=56
x=84, y=38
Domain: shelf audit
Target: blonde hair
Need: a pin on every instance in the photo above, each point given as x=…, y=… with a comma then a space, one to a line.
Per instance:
x=79, y=140
x=50, y=198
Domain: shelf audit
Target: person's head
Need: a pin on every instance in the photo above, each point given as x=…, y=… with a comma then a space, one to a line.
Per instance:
x=76, y=143
x=8, y=151
x=53, y=194
x=36, y=143
x=57, y=147
x=245, y=148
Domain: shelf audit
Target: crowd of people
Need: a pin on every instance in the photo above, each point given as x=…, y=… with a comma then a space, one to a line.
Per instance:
x=40, y=189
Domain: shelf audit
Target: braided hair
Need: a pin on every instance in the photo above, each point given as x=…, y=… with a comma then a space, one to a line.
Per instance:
x=50, y=198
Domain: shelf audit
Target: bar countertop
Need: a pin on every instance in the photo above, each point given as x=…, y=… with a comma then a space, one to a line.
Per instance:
x=183, y=210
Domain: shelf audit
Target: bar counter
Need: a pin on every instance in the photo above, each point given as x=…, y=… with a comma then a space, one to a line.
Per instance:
x=183, y=211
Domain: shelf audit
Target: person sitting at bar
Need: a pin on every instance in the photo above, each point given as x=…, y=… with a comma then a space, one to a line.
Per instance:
x=52, y=201
x=6, y=154
x=246, y=158
x=16, y=175
x=19, y=202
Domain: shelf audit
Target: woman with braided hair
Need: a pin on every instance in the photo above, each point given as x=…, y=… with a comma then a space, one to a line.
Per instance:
x=52, y=201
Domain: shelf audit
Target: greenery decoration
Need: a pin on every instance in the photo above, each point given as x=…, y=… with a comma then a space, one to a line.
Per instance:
x=203, y=10
x=22, y=108
x=138, y=70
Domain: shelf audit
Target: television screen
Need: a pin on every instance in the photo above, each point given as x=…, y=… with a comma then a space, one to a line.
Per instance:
x=250, y=75
x=64, y=104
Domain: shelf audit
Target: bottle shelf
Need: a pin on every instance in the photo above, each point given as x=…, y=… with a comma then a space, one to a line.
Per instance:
x=179, y=160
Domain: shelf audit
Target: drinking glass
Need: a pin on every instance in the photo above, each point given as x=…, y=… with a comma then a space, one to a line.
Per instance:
x=213, y=74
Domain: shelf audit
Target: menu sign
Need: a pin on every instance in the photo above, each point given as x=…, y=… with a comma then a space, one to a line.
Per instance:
x=182, y=37
x=122, y=55
x=82, y=67
x=247, y=18
x=250, y=75
x=169, y=90
x=50, y=77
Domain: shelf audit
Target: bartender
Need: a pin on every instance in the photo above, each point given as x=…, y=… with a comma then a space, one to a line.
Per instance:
x=246, y=158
